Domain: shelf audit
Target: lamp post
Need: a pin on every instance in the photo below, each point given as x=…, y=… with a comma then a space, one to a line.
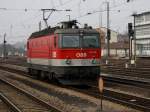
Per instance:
x=108, y=33
x=134, y=36
x=4, y=47
x=100, y=17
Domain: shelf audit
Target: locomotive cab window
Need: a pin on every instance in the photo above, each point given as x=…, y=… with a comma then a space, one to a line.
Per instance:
x=70, y=41
x=90, y=41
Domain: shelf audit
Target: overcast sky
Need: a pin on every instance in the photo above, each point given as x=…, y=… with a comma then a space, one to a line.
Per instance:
x=19, y=24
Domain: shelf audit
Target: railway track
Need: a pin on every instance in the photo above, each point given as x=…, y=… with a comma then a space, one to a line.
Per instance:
x=128, y=72
x=6, y=105
x=10, y=105
x=127, y=81
x=125, y=99
x=137, y=102
x=121, y=98
x=20, y=100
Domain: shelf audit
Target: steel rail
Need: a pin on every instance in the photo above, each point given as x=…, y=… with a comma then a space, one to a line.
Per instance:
x=122, y=80
x=40, y=101
x=9, y=103
x=127, y=81
x=118, y=97
x=128, y=71
x=112, y=96
x=126, y=99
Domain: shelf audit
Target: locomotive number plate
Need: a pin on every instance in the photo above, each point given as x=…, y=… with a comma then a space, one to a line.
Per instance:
x=81, y=55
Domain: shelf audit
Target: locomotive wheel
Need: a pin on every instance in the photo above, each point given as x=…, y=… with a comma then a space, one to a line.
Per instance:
x=50, y=76
x=29, y=71
x=37, y=74
x=42, y=75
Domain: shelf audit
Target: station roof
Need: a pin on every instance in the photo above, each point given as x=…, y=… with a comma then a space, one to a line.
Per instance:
x=142, y=13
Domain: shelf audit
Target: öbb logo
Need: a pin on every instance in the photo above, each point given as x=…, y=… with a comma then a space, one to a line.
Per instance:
x=81, y=55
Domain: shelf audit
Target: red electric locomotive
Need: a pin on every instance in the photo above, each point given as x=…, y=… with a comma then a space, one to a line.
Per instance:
x=65, y=52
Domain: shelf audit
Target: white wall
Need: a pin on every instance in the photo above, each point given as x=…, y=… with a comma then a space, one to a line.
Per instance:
x=113, y=52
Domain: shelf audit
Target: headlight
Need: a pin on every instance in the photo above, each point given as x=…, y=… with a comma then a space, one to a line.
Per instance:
x=94, y=61
x=68, y=61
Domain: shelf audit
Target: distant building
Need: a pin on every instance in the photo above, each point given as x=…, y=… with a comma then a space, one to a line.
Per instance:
x=118, y=48
x=114, y=34
x=142, y=29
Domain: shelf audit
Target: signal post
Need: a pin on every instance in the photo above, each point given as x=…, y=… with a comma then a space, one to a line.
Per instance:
x=101, y=89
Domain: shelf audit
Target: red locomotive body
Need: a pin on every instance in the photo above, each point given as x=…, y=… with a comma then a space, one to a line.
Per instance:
x=64, y=53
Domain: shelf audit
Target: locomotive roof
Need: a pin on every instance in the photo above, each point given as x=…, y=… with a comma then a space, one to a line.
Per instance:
x=43, y=32
x=72, y=31
x=57, y=30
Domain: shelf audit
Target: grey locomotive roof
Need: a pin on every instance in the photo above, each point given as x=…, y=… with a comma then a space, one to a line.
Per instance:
x=57, y=30
x=72, y=31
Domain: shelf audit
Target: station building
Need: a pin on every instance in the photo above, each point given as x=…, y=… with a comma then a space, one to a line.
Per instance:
x=142, y=29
